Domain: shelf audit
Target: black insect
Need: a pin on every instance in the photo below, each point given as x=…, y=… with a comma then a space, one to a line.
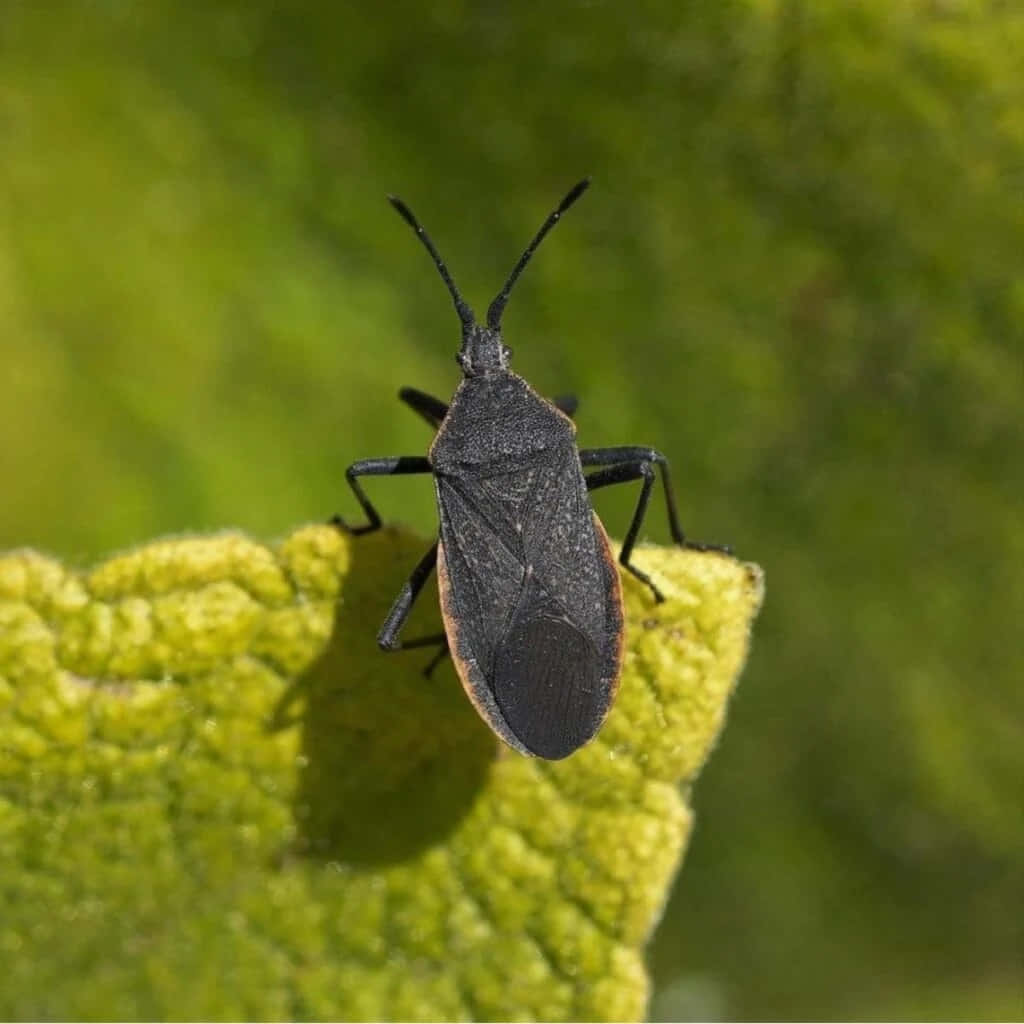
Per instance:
x=530, y=594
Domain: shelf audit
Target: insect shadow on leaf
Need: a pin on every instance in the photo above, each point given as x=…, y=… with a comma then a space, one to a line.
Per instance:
x=378, y=744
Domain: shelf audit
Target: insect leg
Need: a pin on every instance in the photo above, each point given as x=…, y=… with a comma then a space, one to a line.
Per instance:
x=433, y=410
x=634, y=455
x=633, y=463
x=395, y=465
x=387, y=636
x=621, y=474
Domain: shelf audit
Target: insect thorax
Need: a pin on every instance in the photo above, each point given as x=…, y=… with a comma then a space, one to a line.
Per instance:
x=497, y=418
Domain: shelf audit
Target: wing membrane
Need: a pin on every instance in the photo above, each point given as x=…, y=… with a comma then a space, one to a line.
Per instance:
x=547, y=678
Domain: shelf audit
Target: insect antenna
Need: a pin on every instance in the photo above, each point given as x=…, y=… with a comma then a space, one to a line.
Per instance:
x=497, y=307
x=465, y=313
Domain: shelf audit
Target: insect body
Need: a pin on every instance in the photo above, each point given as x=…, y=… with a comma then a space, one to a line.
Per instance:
x=530, y=594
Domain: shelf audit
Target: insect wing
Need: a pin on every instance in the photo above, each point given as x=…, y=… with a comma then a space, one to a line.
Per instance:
x=531, y=602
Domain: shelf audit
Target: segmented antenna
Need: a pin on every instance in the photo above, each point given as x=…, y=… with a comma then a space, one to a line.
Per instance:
x=497, y=307
x=465, y=313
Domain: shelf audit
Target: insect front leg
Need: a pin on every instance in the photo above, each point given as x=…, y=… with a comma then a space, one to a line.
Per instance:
x=395, y=465
x=432, y=409
x=633, y=463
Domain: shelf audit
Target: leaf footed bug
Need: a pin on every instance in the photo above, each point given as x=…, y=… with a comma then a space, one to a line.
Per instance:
x=530, y=595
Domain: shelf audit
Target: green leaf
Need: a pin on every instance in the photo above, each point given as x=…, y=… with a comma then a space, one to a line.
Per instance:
x=219, y=800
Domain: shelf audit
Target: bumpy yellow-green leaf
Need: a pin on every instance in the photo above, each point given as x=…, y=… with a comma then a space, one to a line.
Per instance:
x=219, y=800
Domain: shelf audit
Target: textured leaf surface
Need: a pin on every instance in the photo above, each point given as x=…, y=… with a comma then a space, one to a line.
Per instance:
x=219, y=800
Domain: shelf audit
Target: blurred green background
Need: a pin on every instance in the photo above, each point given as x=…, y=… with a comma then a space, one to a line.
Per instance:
x=798, y=273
